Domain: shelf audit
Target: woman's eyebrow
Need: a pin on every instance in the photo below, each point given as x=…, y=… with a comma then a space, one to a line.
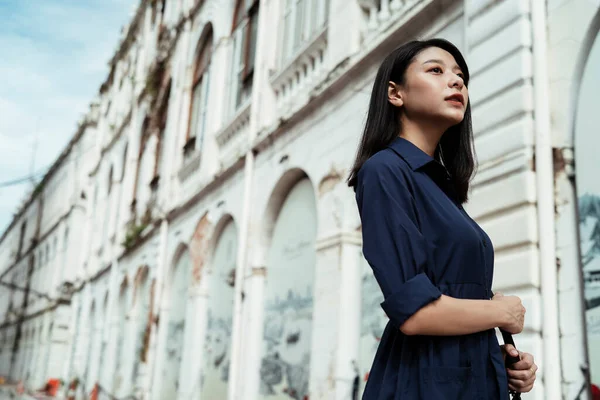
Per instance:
x=436, y=61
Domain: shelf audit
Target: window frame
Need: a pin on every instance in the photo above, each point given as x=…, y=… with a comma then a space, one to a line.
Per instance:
x=201, y=76
x=315, y=15
x=245, y=18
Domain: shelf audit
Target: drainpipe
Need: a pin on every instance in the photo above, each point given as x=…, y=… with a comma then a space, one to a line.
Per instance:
x=544, y=166
x=240, y=271
x=240, y=274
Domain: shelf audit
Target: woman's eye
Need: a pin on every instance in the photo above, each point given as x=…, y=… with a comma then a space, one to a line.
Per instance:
x=436, y=70
x=462, y=76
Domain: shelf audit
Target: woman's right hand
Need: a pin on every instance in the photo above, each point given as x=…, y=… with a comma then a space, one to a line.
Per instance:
x=512, y=313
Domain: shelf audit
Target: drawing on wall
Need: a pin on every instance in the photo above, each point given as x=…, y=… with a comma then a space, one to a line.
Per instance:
x=587, y=142
x=589, y=228
x=287, y=329
x=214, y=375
x=372, y=321
x=216, y=349
x=589, y=233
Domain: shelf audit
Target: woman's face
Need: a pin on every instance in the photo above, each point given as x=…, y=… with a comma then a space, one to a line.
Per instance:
x=433, y=90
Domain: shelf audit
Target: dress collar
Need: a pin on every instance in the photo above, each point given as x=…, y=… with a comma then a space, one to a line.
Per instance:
x=414, y=156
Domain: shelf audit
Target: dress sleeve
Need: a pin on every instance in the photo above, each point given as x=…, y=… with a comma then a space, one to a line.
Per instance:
x=392, y=243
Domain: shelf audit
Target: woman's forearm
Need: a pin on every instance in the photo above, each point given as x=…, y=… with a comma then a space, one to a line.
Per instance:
x=448, y=316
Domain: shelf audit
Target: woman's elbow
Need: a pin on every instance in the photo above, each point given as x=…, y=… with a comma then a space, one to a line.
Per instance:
x=409, y=327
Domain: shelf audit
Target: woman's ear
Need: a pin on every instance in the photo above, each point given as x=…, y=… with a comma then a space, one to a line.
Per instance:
x=394, y=95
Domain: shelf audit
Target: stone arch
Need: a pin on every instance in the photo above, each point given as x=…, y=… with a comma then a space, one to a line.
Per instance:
x=141, y=276
x=181, y=250
x=140, y=317
x=200, y=246
x=277, y=198
x=590, y=37
x=217, y=231
x=198, y=37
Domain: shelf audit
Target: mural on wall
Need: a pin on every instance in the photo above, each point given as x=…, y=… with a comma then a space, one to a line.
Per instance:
x=217, y=342
x=176, y=327
x=587, y=141
x=287, y=331
x=372, y=321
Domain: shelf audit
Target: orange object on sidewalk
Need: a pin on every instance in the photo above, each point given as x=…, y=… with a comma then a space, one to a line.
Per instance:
x=20, y=388
x=52, y=387
x=94, y=393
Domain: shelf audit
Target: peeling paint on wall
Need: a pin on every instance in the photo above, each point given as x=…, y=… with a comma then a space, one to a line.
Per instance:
x=330, y=180
x=199, y=247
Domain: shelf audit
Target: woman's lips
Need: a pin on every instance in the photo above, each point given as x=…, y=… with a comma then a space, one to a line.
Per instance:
x=455, y=102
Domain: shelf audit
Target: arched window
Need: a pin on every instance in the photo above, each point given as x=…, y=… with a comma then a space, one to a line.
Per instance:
x=244, y=33
x=199, y=103
x=163, y=114
x=122, y=314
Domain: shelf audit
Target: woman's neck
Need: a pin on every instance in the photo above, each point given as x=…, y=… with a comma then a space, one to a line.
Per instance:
x=425, y=138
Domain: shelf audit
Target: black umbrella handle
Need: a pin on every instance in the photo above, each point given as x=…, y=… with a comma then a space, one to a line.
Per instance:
x=510, y=360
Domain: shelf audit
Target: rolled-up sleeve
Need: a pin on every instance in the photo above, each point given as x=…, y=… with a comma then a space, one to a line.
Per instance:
x=392, y=243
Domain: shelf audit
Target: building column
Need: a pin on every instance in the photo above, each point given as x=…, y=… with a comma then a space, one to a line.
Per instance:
x=336, y=315
x=195, y=334
x=160, y=309
x=252, y=338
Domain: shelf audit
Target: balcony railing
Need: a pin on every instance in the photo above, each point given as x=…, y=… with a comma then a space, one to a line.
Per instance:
x=191, y=159
x=232, y=139
x=382, y=11
x=302, y=73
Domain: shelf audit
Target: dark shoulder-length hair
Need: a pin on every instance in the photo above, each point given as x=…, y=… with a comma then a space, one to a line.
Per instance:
x=455, y=149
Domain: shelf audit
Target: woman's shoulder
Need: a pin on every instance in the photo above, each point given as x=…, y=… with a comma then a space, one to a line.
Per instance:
x=385, y=163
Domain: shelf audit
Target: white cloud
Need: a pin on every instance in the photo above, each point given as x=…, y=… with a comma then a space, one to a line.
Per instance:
x=54, y=58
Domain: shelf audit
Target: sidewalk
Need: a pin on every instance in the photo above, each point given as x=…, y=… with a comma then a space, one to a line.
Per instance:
x=8, y=391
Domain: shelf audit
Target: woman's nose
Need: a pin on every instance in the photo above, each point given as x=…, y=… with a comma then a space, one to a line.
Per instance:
x=456, y=81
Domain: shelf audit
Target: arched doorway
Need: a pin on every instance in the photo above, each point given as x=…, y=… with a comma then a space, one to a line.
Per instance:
x=176, y=326
x=217, y=342
x=288, y=311
x=142, y=315
x=587, y=143
x=122, y=308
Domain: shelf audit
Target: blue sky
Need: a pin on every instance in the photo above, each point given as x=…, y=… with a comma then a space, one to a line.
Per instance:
x=55, y=56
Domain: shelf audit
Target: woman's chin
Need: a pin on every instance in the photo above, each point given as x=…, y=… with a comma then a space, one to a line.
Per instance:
x=454, y=118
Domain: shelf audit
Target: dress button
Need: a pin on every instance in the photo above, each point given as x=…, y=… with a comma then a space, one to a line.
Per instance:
x=484, y=244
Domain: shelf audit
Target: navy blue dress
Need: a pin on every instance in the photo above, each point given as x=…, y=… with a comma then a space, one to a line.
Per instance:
x=421, y=244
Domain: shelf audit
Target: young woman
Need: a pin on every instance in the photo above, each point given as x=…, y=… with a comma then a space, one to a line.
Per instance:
x=434, y=264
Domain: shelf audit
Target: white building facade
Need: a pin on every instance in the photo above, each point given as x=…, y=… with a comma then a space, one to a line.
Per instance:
x=197, y=240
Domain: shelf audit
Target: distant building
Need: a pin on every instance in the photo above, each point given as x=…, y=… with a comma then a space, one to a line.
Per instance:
x=196, y=238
